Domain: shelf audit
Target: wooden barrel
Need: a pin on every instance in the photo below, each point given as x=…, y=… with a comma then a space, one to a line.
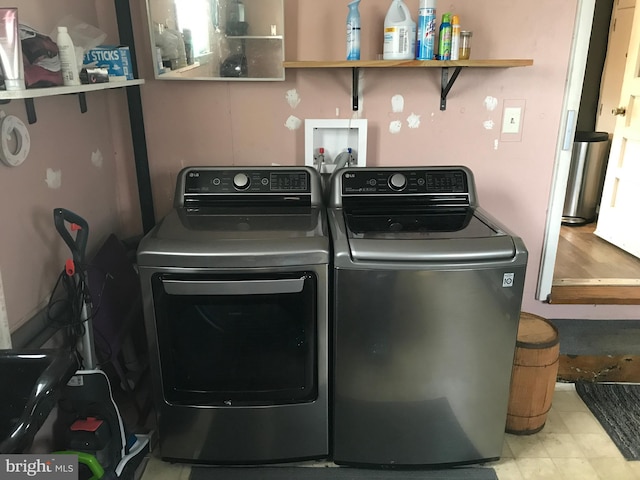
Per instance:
x=533, y=380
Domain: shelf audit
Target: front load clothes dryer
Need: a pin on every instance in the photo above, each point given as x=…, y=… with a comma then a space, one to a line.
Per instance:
x=235, y=290
x=427, y=295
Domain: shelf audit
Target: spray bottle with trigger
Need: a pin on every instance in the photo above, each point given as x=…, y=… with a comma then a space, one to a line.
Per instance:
x=353, y=31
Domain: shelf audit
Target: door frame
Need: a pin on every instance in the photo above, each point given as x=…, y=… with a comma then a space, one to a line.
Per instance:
x=571, y=104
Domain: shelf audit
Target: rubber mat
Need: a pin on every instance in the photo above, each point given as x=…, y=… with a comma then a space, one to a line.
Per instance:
x=617, y=408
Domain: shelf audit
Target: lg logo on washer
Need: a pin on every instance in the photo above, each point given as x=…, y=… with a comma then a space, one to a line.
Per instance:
x=507, y=280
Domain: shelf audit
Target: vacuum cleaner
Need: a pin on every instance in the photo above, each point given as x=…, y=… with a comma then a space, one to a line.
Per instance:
x=89, y=423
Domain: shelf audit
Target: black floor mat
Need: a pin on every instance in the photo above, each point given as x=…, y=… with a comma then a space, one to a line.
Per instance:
x=338, y=473
x=617, y=408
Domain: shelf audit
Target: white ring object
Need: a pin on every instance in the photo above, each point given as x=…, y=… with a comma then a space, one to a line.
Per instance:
x=10, y=125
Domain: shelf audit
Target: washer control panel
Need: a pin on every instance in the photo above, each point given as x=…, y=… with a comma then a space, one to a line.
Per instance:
x=405, y=181
x=224, y=182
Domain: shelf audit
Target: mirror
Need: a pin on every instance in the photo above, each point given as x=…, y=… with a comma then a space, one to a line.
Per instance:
x=217, y=39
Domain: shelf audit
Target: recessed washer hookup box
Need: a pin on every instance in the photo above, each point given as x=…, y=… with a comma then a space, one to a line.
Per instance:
x=115, y=58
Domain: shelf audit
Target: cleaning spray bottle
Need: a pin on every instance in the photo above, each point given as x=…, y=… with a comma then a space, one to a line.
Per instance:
x=353, y=31
x=399, y=33
x=444, y=45
x=455, y=37
x=425, y=45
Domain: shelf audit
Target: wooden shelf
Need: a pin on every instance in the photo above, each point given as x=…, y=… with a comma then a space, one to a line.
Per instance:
x=446, y=81
x=29, y=94
x=525, y=62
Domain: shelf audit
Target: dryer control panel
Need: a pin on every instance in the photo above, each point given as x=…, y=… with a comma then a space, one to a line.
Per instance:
x=211, y=187
x=249, y=181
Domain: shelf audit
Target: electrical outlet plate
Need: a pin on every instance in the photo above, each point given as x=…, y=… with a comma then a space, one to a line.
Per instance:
x=335, y=136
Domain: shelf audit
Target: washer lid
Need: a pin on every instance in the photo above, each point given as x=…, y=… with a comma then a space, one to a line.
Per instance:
x=427, y=235
x=417, y=224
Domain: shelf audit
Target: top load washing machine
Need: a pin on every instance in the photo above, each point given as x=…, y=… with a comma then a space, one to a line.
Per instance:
x=427, y=296
x=235, y=290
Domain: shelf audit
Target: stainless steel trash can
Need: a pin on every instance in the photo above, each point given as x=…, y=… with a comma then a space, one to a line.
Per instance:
x=586, y=177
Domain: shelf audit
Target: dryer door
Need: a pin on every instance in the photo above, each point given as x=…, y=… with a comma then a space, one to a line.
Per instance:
x=237, y=339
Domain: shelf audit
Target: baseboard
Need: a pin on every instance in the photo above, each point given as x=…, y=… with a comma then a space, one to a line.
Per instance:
x=599, y=368
x=598, y=337
x=594, y=295
x=34, y=333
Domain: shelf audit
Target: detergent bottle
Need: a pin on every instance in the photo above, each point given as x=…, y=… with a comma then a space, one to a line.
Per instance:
x=399, y=33
x=353, y=31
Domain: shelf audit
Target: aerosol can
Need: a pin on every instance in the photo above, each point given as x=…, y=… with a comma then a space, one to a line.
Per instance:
x=426, y=41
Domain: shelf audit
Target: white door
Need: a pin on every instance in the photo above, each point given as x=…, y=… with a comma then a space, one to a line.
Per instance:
x=613, y=72
x=618, y=220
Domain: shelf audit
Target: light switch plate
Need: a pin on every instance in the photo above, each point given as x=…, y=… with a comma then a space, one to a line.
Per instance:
x=512, y=120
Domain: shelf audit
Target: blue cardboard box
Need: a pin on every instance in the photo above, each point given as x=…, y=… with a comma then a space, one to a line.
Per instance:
x=115, y=58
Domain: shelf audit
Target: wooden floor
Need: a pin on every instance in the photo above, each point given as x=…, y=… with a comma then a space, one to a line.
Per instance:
x=590, y=270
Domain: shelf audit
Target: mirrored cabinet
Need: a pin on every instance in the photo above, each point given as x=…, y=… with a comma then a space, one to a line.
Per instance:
x=236, y=40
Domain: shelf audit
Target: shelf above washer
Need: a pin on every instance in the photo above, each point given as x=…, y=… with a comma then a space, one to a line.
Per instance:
x=29, y=94
x=446, y=82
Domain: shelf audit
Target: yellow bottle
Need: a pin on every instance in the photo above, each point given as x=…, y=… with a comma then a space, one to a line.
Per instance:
x=455, y=37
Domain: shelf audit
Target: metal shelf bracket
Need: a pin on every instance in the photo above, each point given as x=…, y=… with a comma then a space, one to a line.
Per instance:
x=355, y=72
x=82, y=100
x=30, y=107
x=446, y=85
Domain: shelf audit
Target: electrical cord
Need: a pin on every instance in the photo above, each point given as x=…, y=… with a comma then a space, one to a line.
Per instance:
x=70, y=296
x=103, y=348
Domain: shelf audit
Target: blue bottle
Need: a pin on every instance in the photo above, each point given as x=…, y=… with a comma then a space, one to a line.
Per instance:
x=353, y=31
x=425, y=46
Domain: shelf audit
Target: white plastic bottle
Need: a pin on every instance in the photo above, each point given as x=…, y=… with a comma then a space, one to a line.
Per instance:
x=399, y=33
x=426, y=41
x=353, y=31
x=68, y=60
x=455, y=37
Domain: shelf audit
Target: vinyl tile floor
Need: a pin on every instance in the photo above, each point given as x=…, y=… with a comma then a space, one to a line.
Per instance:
x=571, y=446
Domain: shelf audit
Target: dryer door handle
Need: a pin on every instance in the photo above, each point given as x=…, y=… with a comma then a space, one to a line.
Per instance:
x=235, y=287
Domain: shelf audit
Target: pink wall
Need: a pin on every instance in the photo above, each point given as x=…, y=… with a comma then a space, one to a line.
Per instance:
x=215, y=123
x=81, y=148
x=208, y=123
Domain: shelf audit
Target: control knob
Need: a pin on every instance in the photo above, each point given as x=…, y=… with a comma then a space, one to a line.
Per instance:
x=241, y=181
x=397, y=181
